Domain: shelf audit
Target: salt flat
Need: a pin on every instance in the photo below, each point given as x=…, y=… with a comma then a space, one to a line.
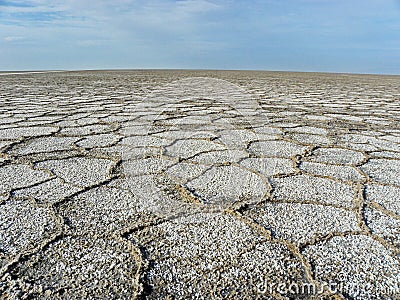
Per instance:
x=199, y=185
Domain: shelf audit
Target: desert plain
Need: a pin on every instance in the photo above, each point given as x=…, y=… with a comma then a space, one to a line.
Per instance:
x=156, y=184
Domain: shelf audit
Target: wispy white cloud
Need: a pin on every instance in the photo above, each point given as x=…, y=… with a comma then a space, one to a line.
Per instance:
x=113, y=10
x=127, y=18
x=93, y=42
x=13, y=38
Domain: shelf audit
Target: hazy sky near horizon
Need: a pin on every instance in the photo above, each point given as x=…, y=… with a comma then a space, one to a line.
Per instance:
x=358, y=36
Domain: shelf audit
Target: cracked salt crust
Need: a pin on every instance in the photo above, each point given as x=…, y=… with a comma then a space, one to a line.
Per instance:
x=145, y=166
x=45, y=144
x=19, y=132
x=269, y=166
x=19, y=176
x=227, y=184
x=308, y=188
x=383, y=170
x=346, y=173
x=364, y=267
x=100, y=210
x=277, y=148
x=51, y=191
x=196, y=184
x=79, y=266
x=186, y=171
x=219, y=157
x=188, y=248
x=383, y=225
x=386, y=196
x=301, y=223
x=80, y=171
x=189, y=148
x=337, y=156
x=23, y=227
x=100, y=140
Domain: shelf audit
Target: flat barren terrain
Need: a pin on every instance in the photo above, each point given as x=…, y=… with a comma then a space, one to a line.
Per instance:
x=199, y=185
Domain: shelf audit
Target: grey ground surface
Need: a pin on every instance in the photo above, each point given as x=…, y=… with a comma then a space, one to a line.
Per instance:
x=199, y=185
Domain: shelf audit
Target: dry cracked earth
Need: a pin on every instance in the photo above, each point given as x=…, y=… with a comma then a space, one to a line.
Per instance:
x=199, y=185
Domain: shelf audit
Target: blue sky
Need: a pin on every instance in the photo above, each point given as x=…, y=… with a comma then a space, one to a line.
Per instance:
x=357, y=36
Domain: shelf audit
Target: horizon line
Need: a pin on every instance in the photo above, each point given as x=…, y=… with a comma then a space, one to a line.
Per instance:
x=41, y=71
